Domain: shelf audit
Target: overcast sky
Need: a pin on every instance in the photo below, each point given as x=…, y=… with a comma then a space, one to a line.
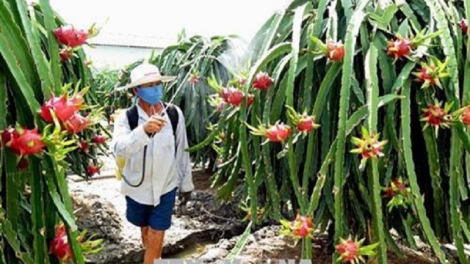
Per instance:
x=166, y=18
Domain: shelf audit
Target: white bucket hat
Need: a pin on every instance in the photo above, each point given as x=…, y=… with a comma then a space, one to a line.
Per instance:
x=145, y=73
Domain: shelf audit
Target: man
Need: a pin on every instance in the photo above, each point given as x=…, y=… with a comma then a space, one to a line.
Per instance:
x=156, y=163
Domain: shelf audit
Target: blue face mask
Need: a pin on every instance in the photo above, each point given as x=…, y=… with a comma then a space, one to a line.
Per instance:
x=151, y=95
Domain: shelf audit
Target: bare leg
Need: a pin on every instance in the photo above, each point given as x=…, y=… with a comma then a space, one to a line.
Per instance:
x=144, y=231
x=154, y=246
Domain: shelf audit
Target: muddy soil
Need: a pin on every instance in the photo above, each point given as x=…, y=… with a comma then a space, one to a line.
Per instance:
x=322, y=256
x=265, y=244
x=202, y=180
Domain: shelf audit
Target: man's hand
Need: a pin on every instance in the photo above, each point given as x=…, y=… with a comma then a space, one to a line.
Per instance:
x=154, y=124
x=184, y=198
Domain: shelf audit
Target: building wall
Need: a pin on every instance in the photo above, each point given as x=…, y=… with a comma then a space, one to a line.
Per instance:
x=116, y=56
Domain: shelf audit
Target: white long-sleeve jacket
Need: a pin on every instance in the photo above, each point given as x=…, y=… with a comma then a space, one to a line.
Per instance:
x=163, y=171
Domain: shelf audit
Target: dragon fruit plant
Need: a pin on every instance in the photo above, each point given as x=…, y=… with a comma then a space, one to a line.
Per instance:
x=332, y=50
x=398, y=194
x=352, y=251
x=380, y=65
x=262, y=81
x=368, y=146
x=59, y=246
x=72, y=39
x=301, y=227
x=304, y=123
x=47, y=120
x=277, y=133
x=431, y=73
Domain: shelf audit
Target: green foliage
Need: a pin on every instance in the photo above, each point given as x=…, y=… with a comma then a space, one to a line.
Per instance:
x=388, y=49
x=34, y=194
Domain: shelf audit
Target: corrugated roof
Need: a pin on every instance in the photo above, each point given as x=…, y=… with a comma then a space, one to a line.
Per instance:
x=126, y=40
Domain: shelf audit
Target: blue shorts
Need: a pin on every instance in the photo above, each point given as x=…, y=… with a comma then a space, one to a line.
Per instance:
x=157, y=217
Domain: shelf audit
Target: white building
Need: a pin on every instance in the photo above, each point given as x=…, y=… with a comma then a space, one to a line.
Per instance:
x=119, y=50
x=132, y=29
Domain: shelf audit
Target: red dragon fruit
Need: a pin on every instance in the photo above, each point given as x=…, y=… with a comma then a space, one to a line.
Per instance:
x=6, y=136
x=60, y=248
x=304, y=122
x=399, y=48
x=69, y=36
x=389, y=193
x=352, y=251
x=24, y=142
x=250, y=99
x=83, y=145
x=368, y=146
x=278, y=132
x=348, y=250
x=262, y=81
x=436, y=116
x=299, y=228
x=426, y=75
x=92, y=170
x=59, y=245
x=65, y=54
x=235, y=97
x=332, y=49
x=396, y=187
x=397, y=192
x=335, y=50
x=465, y=117
x=98, y=139
x=302, y=226
x=430, y=75
x=232, y=96
x=463, y=26
x=225, y=94
x=76, y=123
x=63, y=108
